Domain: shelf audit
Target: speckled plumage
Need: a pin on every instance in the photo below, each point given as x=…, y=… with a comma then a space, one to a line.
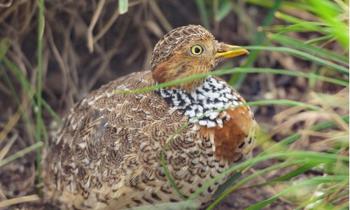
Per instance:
x=204, y=104
x=107, y=154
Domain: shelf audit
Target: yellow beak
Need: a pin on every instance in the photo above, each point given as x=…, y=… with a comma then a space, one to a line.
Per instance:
x=229, y=51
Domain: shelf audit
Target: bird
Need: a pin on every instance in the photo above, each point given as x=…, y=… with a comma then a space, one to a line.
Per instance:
x=118, y=148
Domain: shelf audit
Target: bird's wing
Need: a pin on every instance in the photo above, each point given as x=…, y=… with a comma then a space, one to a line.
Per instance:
x=108, y=142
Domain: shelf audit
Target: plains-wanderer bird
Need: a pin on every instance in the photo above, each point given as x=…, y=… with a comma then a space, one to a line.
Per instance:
x=114, y=148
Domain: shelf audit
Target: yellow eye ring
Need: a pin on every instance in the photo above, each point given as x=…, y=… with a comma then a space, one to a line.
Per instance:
x=196, y=49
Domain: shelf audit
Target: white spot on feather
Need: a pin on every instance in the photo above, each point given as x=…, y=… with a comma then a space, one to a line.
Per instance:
x=206, y=103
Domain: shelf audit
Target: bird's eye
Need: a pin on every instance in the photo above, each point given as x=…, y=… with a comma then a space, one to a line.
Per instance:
x=196, y=50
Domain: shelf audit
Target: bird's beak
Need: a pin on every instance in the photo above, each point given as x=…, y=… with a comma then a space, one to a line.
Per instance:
x=229, y=51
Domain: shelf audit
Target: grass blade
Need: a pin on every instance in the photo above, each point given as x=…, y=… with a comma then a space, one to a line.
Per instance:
x=283, y=102
x=223, y=10
x=21, y=153
x=224, y=194
x=309, y=182
x=237, y=79
x=317, y=51
x=234, y=71
x=18, y=200
x=294, y=137
x=123, y=6
x=203, y=12
x=302, y=55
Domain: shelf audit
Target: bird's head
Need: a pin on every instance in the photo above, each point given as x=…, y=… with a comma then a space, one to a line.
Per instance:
x=189, y=50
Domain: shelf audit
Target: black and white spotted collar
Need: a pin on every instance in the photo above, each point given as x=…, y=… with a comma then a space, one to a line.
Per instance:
x=206, y=103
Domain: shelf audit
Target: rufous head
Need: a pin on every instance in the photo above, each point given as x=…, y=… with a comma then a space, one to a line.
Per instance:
x=189, y=50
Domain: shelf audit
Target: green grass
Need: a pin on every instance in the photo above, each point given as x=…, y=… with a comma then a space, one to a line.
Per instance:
x=309, y=48
x=303, y=55
x=221, y=72
x=40, y=129
x=123, y=6
x=236, y=80
x=40, y=71
x=32, y=94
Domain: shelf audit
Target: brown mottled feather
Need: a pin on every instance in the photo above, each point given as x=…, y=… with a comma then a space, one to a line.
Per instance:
x=230, y=139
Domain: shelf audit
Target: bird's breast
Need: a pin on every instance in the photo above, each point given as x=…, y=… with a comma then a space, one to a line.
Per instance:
x=220, y=113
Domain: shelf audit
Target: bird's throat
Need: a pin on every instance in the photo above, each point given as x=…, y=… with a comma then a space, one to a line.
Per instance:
x=206, y=104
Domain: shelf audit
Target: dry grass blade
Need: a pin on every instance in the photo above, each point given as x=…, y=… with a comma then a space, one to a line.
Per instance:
x=338, y=101
x=90, y=36
x=6, y=4
x=107, y=26
x=160, y=15
x=21, y=153
x=19, y=200
x=10, y=124
x=7, y=147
